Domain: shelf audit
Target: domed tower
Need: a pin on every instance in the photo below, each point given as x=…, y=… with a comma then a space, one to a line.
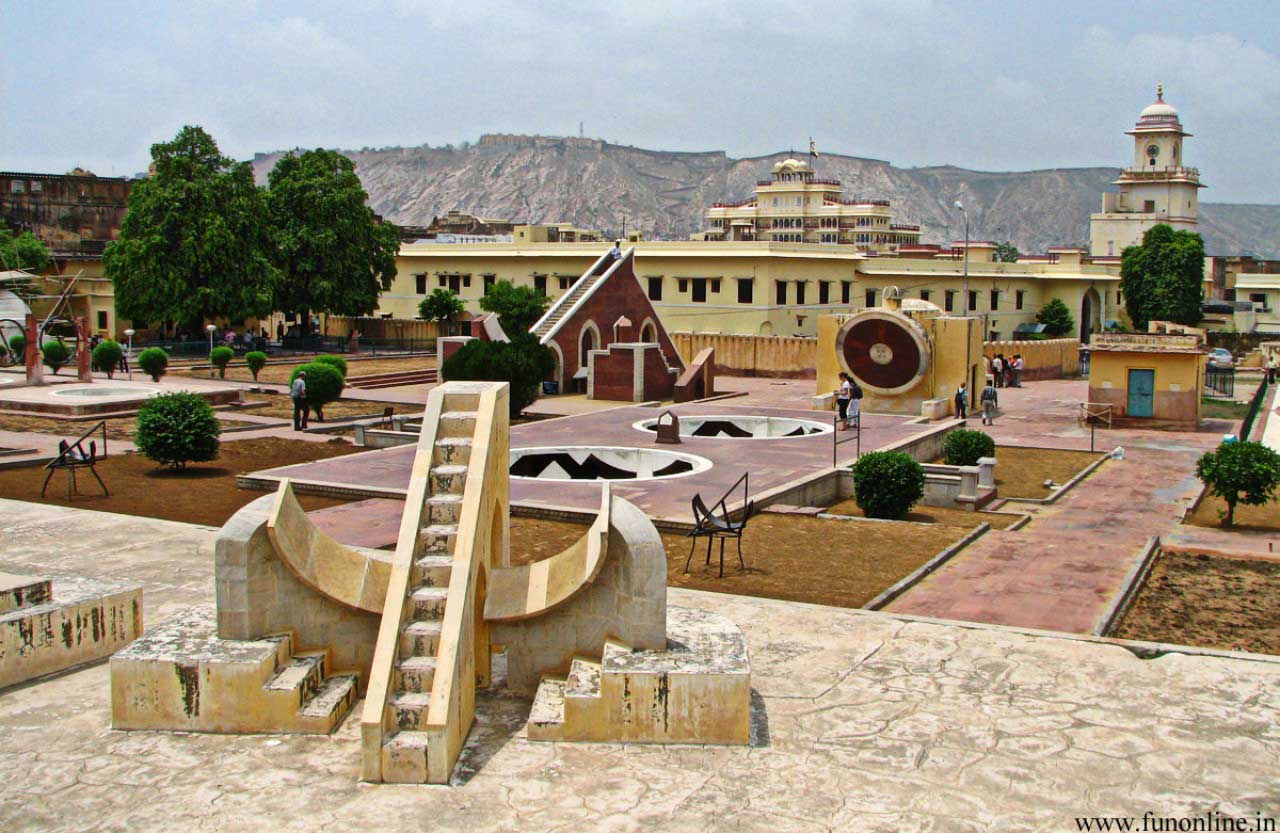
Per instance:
x=1158, y=188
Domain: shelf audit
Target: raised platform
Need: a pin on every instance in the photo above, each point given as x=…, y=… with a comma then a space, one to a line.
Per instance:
x=50, y=624
x=103, y=396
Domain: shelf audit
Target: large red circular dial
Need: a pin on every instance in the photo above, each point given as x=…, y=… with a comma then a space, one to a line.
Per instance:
x=883, y=351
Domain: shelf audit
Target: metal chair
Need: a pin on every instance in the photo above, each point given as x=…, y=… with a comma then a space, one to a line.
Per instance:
x=72, y=456
x=717, y=523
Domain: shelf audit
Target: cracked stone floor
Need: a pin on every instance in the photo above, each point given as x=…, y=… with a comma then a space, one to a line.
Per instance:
x=864, y=722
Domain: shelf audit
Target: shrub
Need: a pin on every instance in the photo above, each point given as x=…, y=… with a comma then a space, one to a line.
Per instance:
x=518, y=307
x=220, y=357
x=55, y=355
x=324, y=385
x=106, y=357
x=1056, y=318
x=1240, y=472
x=336, y=362
x=963, y=447
x=18, y=344
x=256, y=359
x=441, y=305
x=522, y=362
x=887, y=484
x=177, y=428
x=154, y=361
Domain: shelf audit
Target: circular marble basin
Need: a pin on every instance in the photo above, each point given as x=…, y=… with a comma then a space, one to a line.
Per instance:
x=741, y=427
x=595, y=463
x=102, y=391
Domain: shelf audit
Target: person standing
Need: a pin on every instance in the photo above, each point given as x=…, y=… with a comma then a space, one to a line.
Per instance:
x=280, y=332
x=1273, y=365
x=855, y=406
x=989, y=398
x=1017, y=370
x=298, y=392
x=962, y=402
x=844, y=395
x=997, y=369
x=616, y=251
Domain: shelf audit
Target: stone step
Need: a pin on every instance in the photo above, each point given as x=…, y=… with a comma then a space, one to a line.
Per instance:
x=428, y=602
x=19, y=591
x=583, y=679
x=452, y=451
x=404, y=758
x=546, y=716
x=415, y=674
x=456, y=424
x=330, y=704
x=457, y=400
x=410, y=709
x=420, y=639
x=301, y=677
x=444, y=509
x=432, y=571
x=448, y=479
x=437, y=539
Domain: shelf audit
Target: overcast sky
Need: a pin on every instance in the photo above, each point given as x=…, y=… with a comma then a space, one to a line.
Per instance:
x=985, y=84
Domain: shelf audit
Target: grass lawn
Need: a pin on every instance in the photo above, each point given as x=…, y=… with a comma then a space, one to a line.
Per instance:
x=947, y=515
x=1021, y=472
x=281, y=406
x=1213, y=407
x=278, y=371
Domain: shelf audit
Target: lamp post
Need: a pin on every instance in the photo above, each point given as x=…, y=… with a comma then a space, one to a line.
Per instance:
x=968, y=342
x=129, y=355
x=210, y=329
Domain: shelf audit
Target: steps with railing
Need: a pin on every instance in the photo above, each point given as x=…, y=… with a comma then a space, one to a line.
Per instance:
x=546, y=325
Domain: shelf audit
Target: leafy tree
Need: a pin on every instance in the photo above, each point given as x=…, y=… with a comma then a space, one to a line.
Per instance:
x=518, y=307
x=56, y=355
x=256, y=359
x=521, y=362
x=177, y=428
x=886, y=484
x=324, y=385
x=154, y=361
x=336, y=362
x=24, y=251
x=333, y=252
x=1006, y=252
x=1163, y=278
x=1241, y=472
x=220, y=357
x=965, y=446
x=194, y=242
x=441, y=305
x=1056, y=318
x=106, y=357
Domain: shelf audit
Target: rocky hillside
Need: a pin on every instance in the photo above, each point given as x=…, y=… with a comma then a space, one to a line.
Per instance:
x=665, y=193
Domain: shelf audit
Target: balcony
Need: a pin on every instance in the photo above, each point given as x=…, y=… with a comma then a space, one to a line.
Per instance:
x=1157, y=174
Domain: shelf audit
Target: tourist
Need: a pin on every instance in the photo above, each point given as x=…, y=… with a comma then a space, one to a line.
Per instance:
x=616, y=251
x=962, y=402
x=990, y=398
x=855, y=406
x=997, y=369
x=844, y=395
x=1273, y=365
x=1008, y=373
x=298, y=392
x=1017, y=370
x=280, y=332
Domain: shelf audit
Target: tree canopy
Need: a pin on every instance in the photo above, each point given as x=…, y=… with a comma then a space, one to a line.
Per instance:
x=194, y=242
x=333, y=253
x=518, y=307
x=1241, y=472
x=1163, y=278
x=23, y=251
x=1056, y=318
x=441, y=305
x=1006, y=252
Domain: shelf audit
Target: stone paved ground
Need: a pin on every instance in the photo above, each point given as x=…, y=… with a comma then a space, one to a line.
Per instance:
x=864, y=722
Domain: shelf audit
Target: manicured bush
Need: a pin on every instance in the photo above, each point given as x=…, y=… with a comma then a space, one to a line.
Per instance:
x=18, y=344
x=154, y=362
x=256, y=359
x=56, y=355
x=887, y=484
x=106, y=357
x=964, y=446
x=336, y=362
x=522, y=362
x=220, y=357
x=1240, y=472
x=177, y=428
x=324, y=385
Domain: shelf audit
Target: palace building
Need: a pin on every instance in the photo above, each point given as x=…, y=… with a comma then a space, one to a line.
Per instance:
x=795, y=206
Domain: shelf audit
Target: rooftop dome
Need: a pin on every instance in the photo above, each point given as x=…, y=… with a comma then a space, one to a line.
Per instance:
x=1158, y=113
x=790, y=165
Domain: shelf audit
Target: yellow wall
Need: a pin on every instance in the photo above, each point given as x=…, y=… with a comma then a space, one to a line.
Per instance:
x=1179, y=382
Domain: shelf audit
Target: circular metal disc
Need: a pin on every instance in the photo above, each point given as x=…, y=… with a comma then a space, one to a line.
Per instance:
x=883, y=351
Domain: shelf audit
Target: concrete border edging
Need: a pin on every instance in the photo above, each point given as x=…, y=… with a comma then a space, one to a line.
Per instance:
x=925, y=569
x=1129, y=590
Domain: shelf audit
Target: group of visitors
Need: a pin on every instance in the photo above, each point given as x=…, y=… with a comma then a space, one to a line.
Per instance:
x=989, y=399
x=848, y=401
x=1007, y=372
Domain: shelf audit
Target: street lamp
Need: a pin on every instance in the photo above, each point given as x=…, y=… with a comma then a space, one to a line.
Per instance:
x=129, y=355
x=210, y=329
x=968, y=342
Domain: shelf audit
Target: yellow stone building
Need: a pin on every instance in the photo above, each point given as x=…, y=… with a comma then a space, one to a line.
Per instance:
x=795, y=206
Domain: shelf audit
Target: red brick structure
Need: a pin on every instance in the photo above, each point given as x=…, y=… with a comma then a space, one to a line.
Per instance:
x=699, y=379
x=607, y=306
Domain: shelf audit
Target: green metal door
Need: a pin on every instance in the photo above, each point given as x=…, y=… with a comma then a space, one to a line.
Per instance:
x=1142, y=386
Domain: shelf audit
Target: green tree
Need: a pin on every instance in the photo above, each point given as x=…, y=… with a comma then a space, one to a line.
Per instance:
x=336, y=362
x=1006, y=252
x=220, y=357
x=441, y=305
x=24, y=251
x=106, y=357
x=1240, y=472
x=324, y=385
x=521, y=362
x=256, y=359
x=518, y=307
x=886, y=484
x=1056, y=318
x=177, y=428
x=1163, y=278
x=194, y=242
x=333, y=252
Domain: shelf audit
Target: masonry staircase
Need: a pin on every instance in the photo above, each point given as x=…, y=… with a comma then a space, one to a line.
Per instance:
x=395, y=379
x=546, y=325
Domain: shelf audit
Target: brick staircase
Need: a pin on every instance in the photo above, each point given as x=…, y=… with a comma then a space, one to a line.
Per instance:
x=395, y=379
x=581, y=287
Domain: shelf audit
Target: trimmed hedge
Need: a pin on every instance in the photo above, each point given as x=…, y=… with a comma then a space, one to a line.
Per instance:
x=220, y=357
x=177, y=428
x=336, y=362
x=887, y=484
x=522, y=362
x=964, y=446
x=56, y=355
x=154, y=362
x=324, y=385
x=256, y=359
x=106, y=357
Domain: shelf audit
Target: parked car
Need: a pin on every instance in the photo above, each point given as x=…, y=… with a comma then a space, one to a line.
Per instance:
x=1221, y=357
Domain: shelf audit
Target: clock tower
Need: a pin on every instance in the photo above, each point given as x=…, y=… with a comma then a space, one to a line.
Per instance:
x=1158, y=188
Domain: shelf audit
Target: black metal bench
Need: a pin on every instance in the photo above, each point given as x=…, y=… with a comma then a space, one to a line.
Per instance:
x=73, y=456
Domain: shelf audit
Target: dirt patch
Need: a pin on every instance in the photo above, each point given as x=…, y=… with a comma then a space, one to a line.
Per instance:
x=117, y=429
x=1021, y=472
x=281, y=407
x=1209, y=602
x=278, y=372
x=935, y=515
x=205, y=493
x=831, y=562
x=1212, y=509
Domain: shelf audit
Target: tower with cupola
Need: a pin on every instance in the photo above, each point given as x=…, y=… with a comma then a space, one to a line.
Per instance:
x=1157, y=188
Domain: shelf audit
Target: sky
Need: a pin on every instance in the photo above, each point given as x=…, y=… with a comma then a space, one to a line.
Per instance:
x=980, y=84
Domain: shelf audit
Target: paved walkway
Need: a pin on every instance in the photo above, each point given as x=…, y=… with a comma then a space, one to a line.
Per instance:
x=862, y=721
